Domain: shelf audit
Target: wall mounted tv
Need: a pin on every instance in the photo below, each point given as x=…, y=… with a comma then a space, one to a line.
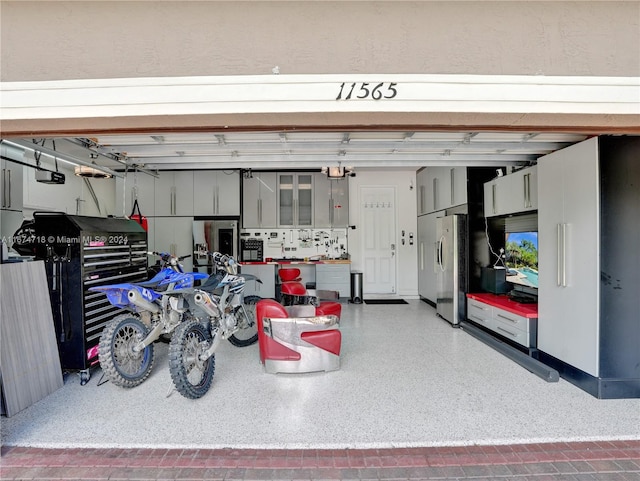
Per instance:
x=521, y=258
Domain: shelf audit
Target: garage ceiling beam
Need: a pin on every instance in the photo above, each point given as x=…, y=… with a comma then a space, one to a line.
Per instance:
x=316, y=160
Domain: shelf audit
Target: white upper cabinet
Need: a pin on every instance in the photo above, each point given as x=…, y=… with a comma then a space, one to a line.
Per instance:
x=259, y=200
x=216, y=192
x=511, y=194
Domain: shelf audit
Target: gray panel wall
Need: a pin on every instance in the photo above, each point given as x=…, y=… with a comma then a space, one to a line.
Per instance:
x=620, y=262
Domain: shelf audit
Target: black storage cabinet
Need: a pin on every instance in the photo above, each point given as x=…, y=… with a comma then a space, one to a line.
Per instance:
x=82, y=252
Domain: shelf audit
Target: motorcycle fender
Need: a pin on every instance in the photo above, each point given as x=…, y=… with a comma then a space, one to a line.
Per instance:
x=117, y=294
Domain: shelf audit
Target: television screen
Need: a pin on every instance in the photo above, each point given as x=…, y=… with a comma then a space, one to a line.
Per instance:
x=521, y=251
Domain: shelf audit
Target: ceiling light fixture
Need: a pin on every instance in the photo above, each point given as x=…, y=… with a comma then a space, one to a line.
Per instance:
x=90, y=172
x=335, y=172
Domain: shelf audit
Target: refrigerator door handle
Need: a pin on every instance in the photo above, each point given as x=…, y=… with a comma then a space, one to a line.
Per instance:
x=564, y=255
x=440, y=253
x=436, y=259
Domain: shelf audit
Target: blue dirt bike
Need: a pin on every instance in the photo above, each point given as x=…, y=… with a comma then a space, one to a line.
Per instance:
x=126, y=350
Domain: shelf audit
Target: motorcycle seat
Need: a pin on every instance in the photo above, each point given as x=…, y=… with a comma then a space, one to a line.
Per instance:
x=154, y=285
x=212, y=282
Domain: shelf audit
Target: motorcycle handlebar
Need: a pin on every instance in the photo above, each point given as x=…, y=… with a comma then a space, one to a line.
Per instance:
x=217, y=257
x=168, y=258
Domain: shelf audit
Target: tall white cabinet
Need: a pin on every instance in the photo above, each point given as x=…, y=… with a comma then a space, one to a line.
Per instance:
x=569, y=260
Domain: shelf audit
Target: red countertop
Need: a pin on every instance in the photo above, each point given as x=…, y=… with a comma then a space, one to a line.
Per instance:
x=503, y=302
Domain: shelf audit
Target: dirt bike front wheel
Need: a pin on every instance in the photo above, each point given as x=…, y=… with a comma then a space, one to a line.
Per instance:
x=120, y=363
x=247, y=333
x=191, y=376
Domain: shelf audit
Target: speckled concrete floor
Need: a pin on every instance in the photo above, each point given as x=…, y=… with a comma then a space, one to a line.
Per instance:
x=407, y=379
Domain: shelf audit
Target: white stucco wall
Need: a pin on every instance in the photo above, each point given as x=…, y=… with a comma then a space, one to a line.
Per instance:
x=112, y=39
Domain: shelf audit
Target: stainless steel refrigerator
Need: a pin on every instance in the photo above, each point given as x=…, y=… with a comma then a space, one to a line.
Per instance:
x=213, y=235
x=452, y=267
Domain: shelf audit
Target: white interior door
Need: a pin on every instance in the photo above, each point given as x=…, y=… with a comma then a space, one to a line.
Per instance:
x=378, y=220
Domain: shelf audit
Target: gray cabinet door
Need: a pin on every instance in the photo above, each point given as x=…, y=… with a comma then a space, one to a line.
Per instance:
x=173, y=193
x=458, y=186
x=322, y=201
x=216, y=192
x=422, y=190
x=227, y=200
x=331, y=202
x=340, y=203
x=568, y=232
x=174, y=235
x=259, y=200
x=140, y=185
x=266, y=273
x=11, y=190
x=295, y=200
x=443, y=186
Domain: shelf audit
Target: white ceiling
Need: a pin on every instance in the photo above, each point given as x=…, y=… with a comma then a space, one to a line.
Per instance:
x=311, y=150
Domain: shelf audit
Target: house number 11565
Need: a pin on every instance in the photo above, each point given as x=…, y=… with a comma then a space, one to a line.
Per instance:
x=365, y=90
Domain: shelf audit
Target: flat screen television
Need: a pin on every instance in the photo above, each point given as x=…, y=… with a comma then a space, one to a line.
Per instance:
x=521, y=259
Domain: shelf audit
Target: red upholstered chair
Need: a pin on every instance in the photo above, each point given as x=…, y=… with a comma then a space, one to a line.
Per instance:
x=327, y=308
x=294, y=340
x=289, y=274
x=294, y=293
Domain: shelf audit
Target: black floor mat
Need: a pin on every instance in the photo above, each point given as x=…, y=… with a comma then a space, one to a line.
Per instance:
x=385, y=301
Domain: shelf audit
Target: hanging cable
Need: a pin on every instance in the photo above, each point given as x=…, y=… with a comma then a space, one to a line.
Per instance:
x=499, y=259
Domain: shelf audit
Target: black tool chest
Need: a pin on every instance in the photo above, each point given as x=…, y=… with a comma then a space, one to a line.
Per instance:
x=82, y=252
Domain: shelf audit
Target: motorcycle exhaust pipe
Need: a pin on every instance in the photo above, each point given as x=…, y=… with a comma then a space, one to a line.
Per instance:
x=204, y=302
x=136, y=299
